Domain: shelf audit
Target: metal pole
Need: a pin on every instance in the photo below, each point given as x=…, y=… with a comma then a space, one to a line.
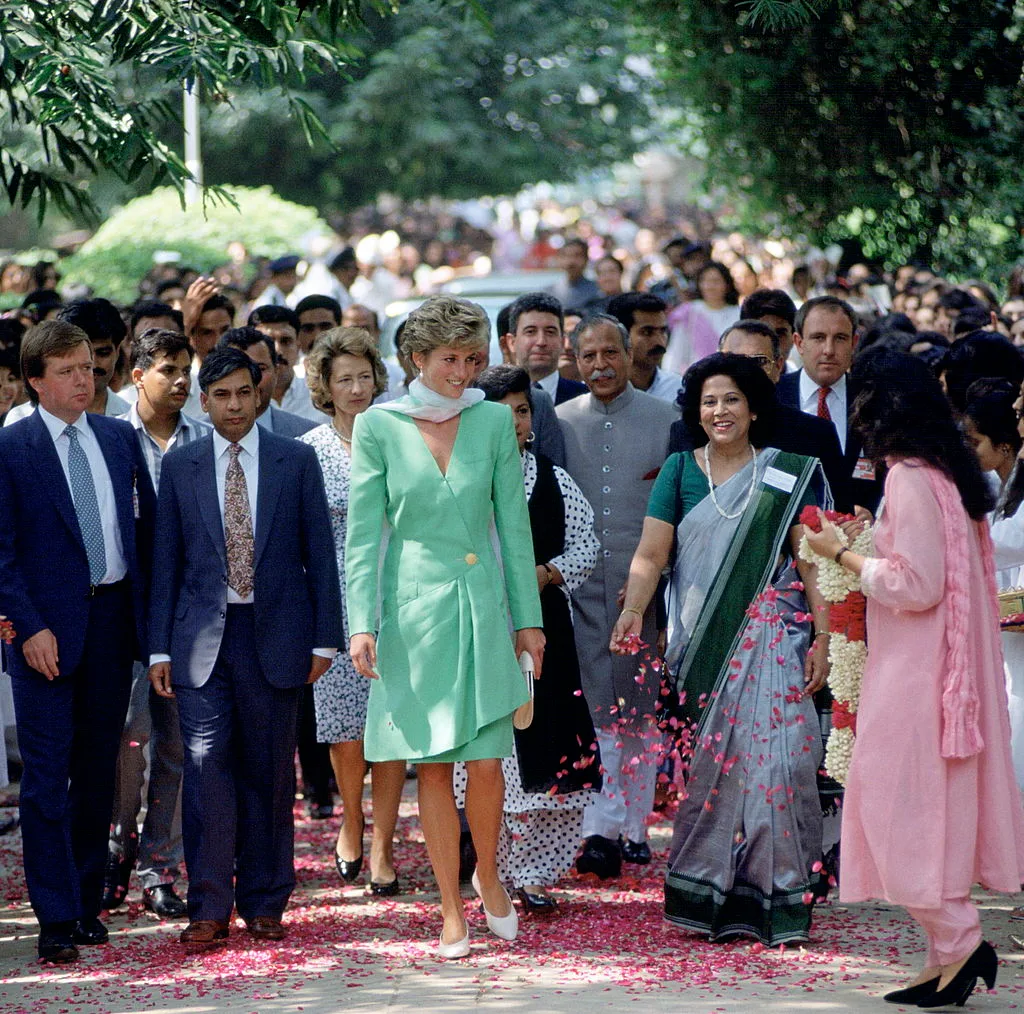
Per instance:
x=193, y=152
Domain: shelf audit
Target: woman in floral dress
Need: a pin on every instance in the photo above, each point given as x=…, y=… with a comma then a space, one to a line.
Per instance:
x=345, y=372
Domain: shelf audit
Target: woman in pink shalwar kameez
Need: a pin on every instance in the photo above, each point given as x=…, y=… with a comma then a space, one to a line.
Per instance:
x=931, y=803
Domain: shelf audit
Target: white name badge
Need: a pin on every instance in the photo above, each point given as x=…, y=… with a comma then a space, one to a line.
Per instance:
x=779, y=480
x=864, y=469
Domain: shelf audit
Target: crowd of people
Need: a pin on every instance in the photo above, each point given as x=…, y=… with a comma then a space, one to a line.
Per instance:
x=551, y=585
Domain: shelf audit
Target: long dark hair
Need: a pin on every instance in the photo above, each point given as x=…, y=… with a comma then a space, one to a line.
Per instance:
x=900, y=411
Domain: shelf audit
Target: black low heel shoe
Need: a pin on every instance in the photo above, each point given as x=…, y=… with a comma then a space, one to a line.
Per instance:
x=386, y=889
x=348, y=869
x=913, y=994
x=982, y=964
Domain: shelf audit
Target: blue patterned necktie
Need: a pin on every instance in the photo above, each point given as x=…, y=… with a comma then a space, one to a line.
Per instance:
x=83, y=492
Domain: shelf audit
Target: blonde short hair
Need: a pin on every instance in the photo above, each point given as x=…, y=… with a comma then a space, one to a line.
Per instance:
x=341, y=341
x=444, y=321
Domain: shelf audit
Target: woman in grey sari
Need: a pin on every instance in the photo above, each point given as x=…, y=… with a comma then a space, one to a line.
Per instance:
x=748, y=833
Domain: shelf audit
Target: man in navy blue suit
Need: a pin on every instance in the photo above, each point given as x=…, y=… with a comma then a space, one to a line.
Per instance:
x=245, y=610
x=536, y=323
x=826, y=337
x=76, y=509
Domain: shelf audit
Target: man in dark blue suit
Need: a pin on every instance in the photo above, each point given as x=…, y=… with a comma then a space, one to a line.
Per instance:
x=76, y=509
x=536, y=323
x=245, y=610
x=826, y=337
x=260, y=349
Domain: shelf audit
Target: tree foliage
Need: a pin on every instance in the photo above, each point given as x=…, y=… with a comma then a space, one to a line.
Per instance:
x=121, y=251
x=450, y=99
x=78, y=76
x=897, y=121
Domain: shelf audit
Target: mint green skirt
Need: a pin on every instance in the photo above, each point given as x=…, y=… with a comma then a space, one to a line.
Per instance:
x=493, y=740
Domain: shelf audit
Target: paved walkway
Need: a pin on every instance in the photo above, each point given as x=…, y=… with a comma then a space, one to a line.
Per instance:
x=607, y=949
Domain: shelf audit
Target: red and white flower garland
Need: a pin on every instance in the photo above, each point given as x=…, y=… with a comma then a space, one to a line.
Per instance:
x=847, y=644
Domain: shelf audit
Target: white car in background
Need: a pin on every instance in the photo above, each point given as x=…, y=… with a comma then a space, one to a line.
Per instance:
x=492, y=292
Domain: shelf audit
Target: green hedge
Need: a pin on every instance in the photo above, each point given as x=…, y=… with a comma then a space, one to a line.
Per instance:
x=116, y=258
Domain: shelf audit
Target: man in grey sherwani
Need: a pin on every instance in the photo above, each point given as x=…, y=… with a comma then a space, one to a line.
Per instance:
x=616, y=440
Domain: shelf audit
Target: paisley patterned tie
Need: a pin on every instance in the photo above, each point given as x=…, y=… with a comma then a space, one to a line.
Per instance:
x=238, y=537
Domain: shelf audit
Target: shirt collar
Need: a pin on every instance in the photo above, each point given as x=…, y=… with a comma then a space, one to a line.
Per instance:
x=549, y=384
x=56, y=426
x=132, y=416
x=249, y=443
x=809, y=389
x=617, y=404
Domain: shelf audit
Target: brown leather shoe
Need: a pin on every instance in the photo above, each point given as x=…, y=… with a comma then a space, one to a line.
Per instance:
x=204, y=933
x=263, y=927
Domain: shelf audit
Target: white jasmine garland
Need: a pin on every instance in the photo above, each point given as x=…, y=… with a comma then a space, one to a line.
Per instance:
x=846, y=658
x=839, y=753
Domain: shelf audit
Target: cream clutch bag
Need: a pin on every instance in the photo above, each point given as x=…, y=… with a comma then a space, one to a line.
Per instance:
x=523, y=715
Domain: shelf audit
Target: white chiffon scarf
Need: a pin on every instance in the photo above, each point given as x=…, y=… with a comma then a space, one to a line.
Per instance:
x=424, y=403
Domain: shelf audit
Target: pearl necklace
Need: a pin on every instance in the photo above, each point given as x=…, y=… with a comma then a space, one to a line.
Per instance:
x=711, y=485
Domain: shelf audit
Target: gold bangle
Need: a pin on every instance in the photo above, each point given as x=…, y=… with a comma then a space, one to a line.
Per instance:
x=822, y=633
x=630, y=609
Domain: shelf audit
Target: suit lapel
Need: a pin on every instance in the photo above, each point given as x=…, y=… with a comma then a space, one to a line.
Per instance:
x=206, y=493
x=268, y=491
x=51, y=476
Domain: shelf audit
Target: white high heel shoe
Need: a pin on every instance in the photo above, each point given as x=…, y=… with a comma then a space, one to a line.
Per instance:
x=504, y=926
x=459, y=949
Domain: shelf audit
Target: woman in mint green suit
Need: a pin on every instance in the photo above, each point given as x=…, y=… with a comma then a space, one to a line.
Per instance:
x=431, y=625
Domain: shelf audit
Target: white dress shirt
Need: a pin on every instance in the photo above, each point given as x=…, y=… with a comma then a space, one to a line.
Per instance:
x=298, y=401
x=193, y=407
x=665, y=386
x=249, y=459
x=835, y=399
x=549, y=384
x=117, y=565
x=396, y=383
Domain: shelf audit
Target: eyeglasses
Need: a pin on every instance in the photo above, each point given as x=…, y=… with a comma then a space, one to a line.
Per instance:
x=761, y=361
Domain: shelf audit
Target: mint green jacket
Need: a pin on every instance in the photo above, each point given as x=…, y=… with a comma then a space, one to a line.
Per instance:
x=444, y=649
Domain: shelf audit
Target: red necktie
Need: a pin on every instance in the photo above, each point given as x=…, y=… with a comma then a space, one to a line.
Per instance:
x=823, y=412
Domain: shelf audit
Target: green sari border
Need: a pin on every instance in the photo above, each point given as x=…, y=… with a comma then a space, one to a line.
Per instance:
x=745, y=571
x=781, y=918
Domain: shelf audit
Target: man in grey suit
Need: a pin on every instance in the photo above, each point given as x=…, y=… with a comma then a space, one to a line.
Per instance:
x=616, y=440
x=260, y=349
x=245, y=611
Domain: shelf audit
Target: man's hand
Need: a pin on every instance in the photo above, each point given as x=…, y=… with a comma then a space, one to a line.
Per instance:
x=317, y=667
x=40, y=651
x=192, y=305
x=160, y=677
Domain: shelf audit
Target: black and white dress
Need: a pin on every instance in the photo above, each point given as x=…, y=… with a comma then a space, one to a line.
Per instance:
x=340, y=695
x=557, y=757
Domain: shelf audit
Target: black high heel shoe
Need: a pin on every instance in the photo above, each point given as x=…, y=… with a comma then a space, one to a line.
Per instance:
x=348, y=869
x=913, y=994
x=982, y=964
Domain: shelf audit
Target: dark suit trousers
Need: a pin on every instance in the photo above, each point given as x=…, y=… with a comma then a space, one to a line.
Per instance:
x=69, y=731
x=238, y=784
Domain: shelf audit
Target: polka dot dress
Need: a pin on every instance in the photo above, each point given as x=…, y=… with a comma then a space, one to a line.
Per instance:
x=541, y=833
